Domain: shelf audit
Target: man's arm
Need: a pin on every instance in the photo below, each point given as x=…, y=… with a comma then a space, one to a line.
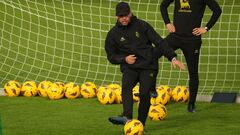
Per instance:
x=213, y=5
x=162, y=45
x=216, y=12
x=163, y=8
x=112, y=51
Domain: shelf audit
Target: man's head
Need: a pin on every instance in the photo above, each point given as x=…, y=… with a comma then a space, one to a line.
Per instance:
x=123, y=13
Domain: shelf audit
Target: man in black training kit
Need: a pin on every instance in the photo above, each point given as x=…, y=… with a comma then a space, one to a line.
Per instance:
x=129, y=43
x=185, y=33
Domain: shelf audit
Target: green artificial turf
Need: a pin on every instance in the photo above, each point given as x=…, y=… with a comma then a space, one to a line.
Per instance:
x=36, y=115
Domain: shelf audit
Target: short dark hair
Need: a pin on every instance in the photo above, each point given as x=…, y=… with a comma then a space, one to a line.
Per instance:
x=122, y=9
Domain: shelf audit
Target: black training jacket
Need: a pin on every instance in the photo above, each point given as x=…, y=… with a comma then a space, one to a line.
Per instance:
x=136, y=38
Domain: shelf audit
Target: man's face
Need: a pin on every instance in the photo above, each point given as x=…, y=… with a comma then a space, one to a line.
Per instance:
x=124, y=20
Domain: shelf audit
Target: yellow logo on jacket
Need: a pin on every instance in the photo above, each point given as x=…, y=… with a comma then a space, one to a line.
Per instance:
x=184, y=6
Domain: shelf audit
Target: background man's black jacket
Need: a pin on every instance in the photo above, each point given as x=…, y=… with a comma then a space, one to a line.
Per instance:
x=188, y=18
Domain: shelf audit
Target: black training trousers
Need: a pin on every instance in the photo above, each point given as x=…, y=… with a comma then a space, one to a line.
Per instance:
x=147, y=81
x=191, y=51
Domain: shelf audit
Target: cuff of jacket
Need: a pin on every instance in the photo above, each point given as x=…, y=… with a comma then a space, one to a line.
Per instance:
x=173, y=57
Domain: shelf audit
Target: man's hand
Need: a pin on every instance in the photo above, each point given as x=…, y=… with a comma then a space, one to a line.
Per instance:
x=171, y=27
x=199, y=31
x=130, y=59
x=178, y=63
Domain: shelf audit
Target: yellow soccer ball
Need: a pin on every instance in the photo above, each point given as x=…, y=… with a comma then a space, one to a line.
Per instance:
x=60, y=84
x=118, y=97
x=101, y=88
x=12, y=88
x=180, y=94
x=106, y=96
x=29, y=89
x=162, y=98
x=157, y=112
x=88, y=90
x=114, y=86
x=117, y=89
x=72, y=90
x=135, y=92
x=165, y=88
x=42, y=88
x=55, y=91
x=186, y=93
x=133, y=127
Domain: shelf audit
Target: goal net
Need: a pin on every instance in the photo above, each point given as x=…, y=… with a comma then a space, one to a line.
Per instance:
x=63, y=40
